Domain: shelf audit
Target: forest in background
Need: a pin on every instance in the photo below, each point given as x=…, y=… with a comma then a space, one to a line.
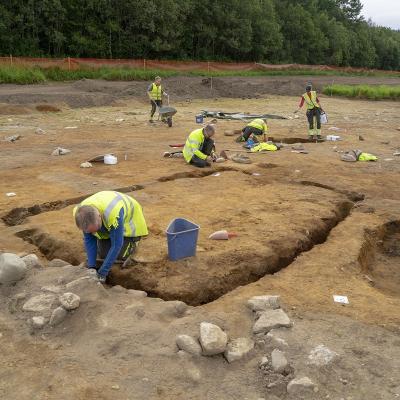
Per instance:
x=273, y=31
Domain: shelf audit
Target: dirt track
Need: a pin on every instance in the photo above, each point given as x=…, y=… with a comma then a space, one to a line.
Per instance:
x=327, y=226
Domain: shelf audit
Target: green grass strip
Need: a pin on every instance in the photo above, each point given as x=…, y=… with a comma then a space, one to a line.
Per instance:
x=370, y=92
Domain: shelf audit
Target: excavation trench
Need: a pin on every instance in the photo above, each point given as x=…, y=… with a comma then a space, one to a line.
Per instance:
x=379, y=257
x=208, y=277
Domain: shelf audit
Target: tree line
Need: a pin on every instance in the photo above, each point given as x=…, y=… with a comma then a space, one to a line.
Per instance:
x=272, y=31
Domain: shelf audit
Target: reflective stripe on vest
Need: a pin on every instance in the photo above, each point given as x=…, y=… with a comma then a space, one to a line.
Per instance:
x=311, y=103
x=193, y=144
x=156, y=92
x=259, y=124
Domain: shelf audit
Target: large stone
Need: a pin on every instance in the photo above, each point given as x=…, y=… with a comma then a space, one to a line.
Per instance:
x=40, y=303
x=300, y=387
x=188, y=344
x=12, y=268
x=276, y=341
x=58, y=316
x=278, y=361
x=70, y=301
x=321, y=355
x=175, y=308
x=271, y=319
x=262, y=303
x=238, y=348
x=32, y=261
x=213, y=339
x=57, y=263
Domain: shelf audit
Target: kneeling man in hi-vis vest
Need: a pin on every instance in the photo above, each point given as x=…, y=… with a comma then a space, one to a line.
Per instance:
x=112, y=224
x=256, y=129
x=199, y=147
x=313, y=112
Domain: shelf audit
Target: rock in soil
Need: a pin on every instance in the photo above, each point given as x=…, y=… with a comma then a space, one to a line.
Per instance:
x=32, y=261
x=38, y=322
x=213, y=339
x=262, y=303
x=276, y=341
x=70, y=301
x=12, y=268
x=278, y=361
x=271, y=319
x=58, y=316
x=299, y=387
x=188, y=344
x=238, y=348
x=321, y=355
x=40, y=303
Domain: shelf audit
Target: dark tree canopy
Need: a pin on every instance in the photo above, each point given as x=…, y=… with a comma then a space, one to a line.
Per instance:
x=272, y=31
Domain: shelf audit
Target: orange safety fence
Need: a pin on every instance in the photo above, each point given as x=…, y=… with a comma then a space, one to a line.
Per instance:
x=71, y=63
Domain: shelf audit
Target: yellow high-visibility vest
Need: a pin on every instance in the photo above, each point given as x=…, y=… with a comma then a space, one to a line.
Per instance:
x=156, y=92
x=193, y=144
x=259, y=124
x=109, y=204
x=311, y=103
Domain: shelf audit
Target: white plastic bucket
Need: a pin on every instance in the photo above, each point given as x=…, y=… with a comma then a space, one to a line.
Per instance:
x=324, y=118
x=109, y=159
x=333, y=138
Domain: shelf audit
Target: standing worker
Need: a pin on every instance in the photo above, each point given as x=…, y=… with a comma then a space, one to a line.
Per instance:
x=155, y=93
x=313, y=112
x=199, y=147
x=254, y=129
x=112, y=224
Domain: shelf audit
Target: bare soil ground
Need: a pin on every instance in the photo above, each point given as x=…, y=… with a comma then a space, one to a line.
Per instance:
x=309, y=226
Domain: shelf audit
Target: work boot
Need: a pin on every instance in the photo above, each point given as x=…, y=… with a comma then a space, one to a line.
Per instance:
x=311, y=138
x=319, y=137
x=151, y=120
x=166, y=154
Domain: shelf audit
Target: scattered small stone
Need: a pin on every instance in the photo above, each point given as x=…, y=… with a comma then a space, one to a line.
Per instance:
x=213, y=339
x=57, y=263
x=300, y=386
x=194, y=374
x=40, y=303
x=32, y=261
x=12, y=138
x=40, y=131
x=188, y=344
x=278, y=361
x=86, y=164
x=263, y=362
x=58, y=316
x=60, y=151
x=262, y=303
x=12, y=268
x=321, y=355
x=11, y=194
x=70, y=301
x=38, y=322
x=115, y=387
x=271, y=319
x=238, y=348
x=276, y=341
x=137, y=293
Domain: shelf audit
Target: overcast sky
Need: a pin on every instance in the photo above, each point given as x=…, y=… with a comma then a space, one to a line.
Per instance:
x=382, y=12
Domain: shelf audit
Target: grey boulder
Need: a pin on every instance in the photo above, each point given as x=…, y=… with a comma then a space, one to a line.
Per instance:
x=70, y=301
x=238, y=348
x=58, y=316
x=12, y=268
x=262, y=303
x=188, y=344
x=213, y=339
x=32, y=261
x=271, y=319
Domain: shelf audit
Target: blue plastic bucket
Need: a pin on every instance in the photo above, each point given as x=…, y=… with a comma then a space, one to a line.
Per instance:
x=182, y=239
x=199, y=119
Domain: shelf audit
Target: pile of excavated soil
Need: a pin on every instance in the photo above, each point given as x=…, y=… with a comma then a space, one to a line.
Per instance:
x=91, y=93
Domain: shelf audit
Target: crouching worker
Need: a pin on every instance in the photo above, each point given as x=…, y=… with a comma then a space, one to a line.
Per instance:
x=199, y=147
x=112, y=225
x=256, y=131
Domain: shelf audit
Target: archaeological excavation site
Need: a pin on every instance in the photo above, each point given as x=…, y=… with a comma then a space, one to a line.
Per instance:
x=300, y=300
